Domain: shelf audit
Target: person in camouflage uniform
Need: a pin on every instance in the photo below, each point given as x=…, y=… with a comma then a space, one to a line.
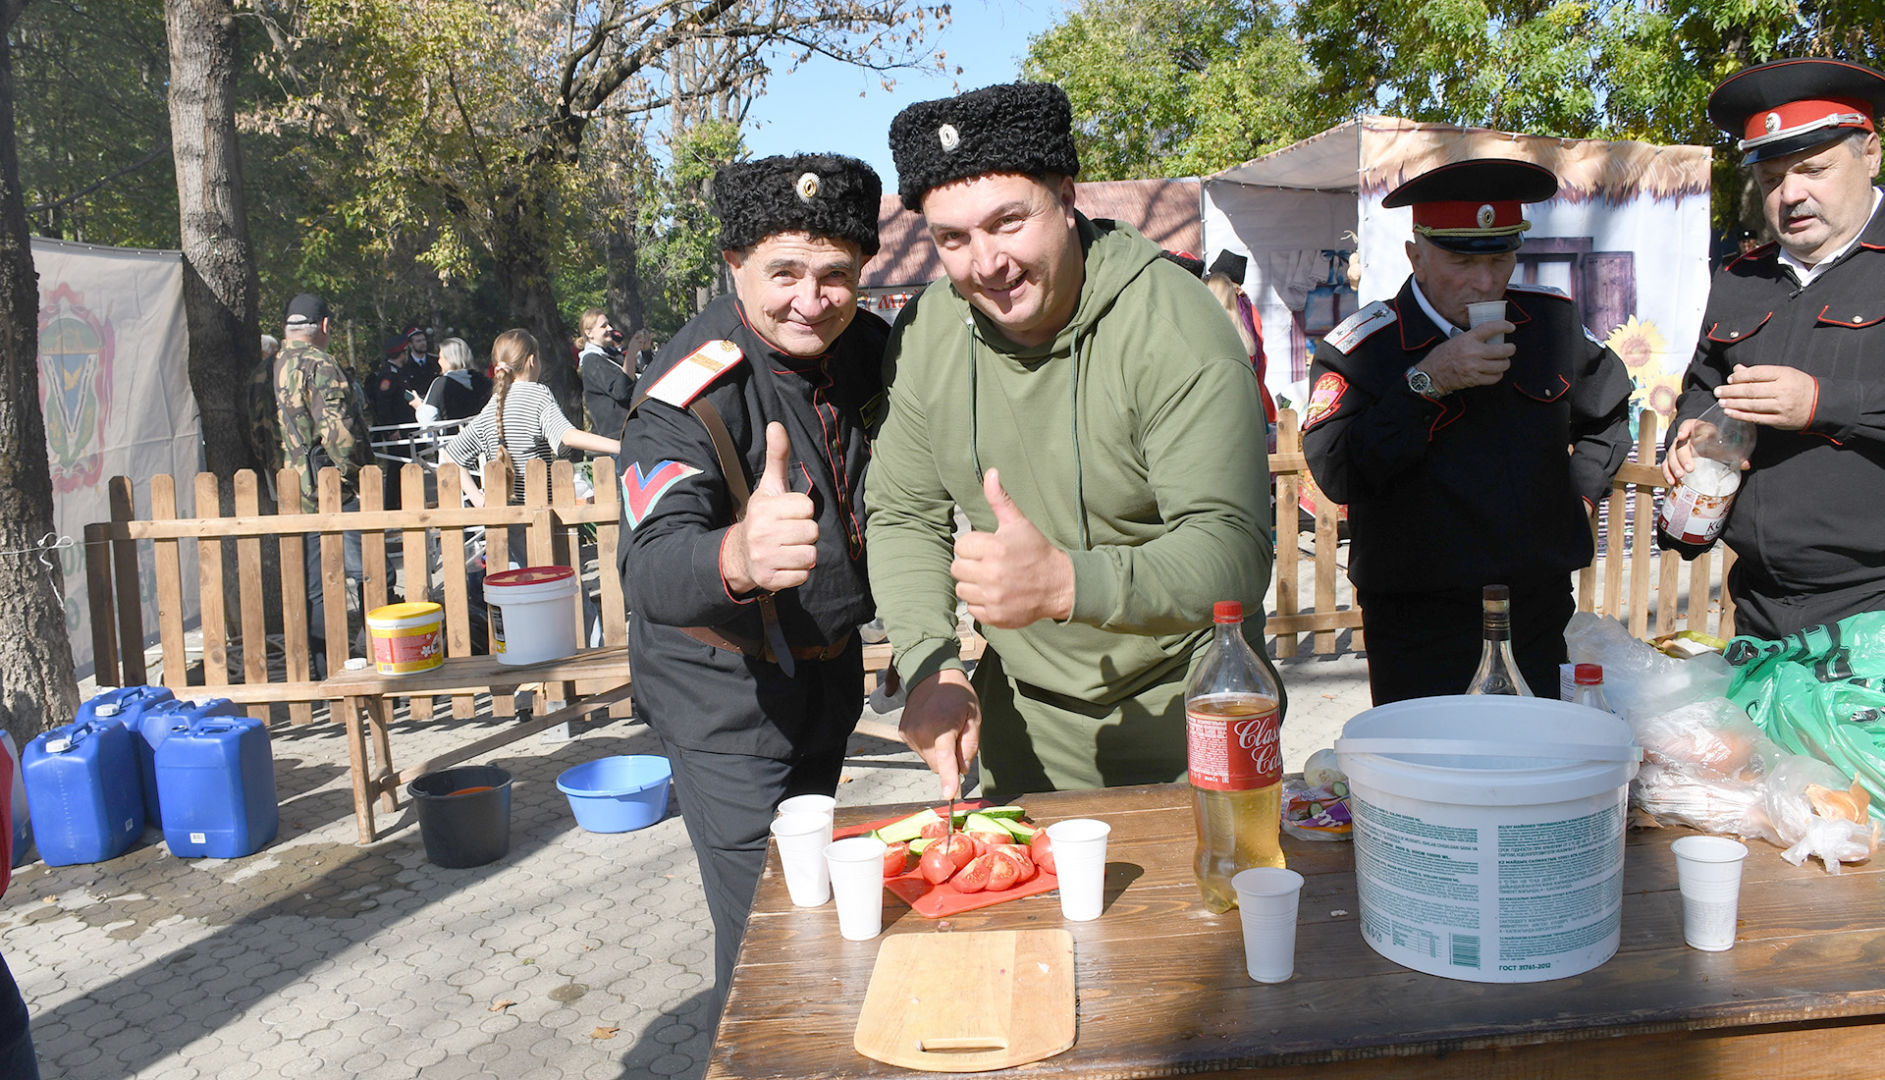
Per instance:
x=305, y=415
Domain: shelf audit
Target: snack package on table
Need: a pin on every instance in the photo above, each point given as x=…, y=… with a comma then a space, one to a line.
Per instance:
x=1708, y=765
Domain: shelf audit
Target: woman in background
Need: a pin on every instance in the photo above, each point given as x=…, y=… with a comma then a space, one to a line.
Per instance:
x=522, y=422
x=1241, y=316
x=608, y=386
x=459, y=392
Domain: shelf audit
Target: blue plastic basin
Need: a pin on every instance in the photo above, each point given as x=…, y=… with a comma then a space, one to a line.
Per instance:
x=617, y=794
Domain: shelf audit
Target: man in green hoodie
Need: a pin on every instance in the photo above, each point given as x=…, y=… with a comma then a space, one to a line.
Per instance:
x=1094, y=415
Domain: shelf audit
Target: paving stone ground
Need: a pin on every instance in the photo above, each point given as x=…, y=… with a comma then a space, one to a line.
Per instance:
x=575, y=955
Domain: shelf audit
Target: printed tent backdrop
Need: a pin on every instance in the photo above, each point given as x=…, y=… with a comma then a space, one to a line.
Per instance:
x=1627, y=237
x=114, y=384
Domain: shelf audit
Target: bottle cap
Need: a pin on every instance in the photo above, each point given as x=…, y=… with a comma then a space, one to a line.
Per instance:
x=1227, y=611
x=1496, y=593
x=356, y=663
x=107, y=709
x=1589, y=674
x=58, y=744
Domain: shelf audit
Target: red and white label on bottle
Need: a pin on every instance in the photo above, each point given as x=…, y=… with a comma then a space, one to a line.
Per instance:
x=1233, y=744
x=1696, y=509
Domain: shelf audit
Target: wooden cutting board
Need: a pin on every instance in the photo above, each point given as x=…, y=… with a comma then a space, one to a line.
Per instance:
x=969, y=1002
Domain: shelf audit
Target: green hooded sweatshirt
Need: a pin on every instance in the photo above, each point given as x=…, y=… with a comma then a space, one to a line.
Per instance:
x=1134, y=442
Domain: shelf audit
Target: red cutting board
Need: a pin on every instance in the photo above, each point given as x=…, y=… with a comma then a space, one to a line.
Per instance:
x=942, y=901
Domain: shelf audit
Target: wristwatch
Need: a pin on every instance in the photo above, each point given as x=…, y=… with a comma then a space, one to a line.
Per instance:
x=1422, y=383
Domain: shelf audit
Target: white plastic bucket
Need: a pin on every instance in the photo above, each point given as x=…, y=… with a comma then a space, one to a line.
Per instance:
x=532, y=617
x=1489, y=834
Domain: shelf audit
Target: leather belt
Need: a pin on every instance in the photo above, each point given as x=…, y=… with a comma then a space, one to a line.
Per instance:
x=707, y=635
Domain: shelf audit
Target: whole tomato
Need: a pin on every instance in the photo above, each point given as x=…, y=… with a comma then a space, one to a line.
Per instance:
x=936, y=865
x=1041, y=848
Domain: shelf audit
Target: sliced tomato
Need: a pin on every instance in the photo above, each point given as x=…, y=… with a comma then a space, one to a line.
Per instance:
x=1003, y=873
x=959, y=847
x=974, y=877
x=935, y=830
x=1024, y=866
x=896, y=858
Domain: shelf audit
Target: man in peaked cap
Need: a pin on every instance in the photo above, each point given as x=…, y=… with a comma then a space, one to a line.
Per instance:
x=1449, y=442
x=1091, y=410
x=1790, y=341
x=742, y=468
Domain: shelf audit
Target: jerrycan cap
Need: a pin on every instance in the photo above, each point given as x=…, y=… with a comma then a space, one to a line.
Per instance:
x=107, y=709
x=58, y=744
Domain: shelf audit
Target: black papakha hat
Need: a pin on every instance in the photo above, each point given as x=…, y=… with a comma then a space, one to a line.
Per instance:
x=306, y=309
x=822, y=194
x=1022, y=128
x=1779, y=108
x=1231, y=265
x=1473, y=206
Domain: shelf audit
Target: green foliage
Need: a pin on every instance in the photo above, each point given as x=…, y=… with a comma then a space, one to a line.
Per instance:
x=1172, y=87
x=89, y=83
x=679, y=238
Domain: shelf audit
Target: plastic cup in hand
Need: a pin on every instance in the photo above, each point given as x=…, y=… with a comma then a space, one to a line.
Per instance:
x=1483, y=312
x=802, y=839
x=1080, y=864
x=1708, y=869
x=809, y=804
x=1266, y=902
x=857, y=882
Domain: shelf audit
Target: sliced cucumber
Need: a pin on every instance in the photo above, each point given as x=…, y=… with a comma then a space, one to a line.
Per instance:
x=908, y=828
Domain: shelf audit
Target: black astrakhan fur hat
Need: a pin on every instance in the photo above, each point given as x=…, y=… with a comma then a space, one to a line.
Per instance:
x=1014, y=128
x=822, y=194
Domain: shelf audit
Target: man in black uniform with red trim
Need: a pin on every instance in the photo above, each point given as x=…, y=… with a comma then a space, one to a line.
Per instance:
x=1794, y=341
x=742, y=468
x=1449, y=444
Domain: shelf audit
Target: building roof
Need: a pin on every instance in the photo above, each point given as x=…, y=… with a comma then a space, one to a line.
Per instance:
x=1166, y=211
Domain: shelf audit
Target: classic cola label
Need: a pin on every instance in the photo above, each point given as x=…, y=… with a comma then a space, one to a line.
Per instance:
x=1233, y=742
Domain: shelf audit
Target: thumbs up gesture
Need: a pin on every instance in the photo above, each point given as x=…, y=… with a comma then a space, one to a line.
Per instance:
x=776, y=545
x=1013, y=576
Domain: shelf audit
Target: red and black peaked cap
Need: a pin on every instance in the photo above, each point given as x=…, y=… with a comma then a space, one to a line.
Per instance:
x=1778, y=108
x=1473, y=206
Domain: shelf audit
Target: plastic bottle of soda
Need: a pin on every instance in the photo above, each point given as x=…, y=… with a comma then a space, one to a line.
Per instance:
x=1695, y=509
x=1235, y=760
x=1590, y=687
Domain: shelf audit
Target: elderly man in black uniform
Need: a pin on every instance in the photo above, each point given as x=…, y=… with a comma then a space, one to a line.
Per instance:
x=1467, y=457
x=743, y=460
x=1792, y=341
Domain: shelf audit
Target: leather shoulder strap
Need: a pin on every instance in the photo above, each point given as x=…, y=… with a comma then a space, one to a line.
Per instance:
x=731, y=466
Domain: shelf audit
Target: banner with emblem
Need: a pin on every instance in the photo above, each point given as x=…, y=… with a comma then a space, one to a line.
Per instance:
x=114, y=385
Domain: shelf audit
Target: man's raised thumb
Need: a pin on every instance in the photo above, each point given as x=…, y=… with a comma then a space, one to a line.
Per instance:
x=1006, y=512
x=778, y=455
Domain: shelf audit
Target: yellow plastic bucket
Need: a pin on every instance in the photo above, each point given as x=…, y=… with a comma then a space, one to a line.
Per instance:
x=407, y=637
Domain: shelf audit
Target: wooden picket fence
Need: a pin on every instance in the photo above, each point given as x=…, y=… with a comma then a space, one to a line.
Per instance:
x=551, y=515
x=1653, y=594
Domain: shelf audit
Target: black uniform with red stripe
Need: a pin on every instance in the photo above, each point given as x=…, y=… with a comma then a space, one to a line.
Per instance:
x=740, y=732
x=1476, y=488
x=1808, y=525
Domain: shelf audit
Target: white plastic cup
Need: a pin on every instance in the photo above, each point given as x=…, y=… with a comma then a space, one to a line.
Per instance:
x=802, y=839
x=1483, y=312
x=1708, y=870
x=810, y=804
x=1267, y=898
x=857, y=882
x=1079, y=847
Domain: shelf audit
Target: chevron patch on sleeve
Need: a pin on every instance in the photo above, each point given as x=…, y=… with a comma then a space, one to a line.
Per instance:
x=641, y=490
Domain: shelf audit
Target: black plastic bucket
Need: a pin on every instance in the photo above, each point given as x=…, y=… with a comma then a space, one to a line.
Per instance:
x=464, y=815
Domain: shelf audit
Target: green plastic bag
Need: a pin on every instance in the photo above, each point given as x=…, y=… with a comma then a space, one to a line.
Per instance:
x=1821, y=692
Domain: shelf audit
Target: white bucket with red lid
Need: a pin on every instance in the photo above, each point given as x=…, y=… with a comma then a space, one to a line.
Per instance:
x=533, y=613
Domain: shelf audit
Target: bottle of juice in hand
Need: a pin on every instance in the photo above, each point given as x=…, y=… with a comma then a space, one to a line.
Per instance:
x=1235, y=760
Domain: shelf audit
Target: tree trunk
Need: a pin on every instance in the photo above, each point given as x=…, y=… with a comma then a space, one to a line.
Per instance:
x=624, y=274
x=221, y=290
x=37, y=688
x=521, y=251
x=220, y=286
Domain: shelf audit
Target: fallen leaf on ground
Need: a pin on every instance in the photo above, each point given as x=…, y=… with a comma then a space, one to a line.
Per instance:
x=501, y=1004
x=604, y=1033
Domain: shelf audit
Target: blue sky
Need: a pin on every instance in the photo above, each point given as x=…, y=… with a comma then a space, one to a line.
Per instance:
x=817, y=108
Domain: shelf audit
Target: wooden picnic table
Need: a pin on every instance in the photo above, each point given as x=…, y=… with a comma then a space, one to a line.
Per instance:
x=1162, y=989
x=363, y=701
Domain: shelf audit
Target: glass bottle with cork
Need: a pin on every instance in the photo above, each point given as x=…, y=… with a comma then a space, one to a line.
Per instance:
x=1498, y=671
x=1235, y=758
